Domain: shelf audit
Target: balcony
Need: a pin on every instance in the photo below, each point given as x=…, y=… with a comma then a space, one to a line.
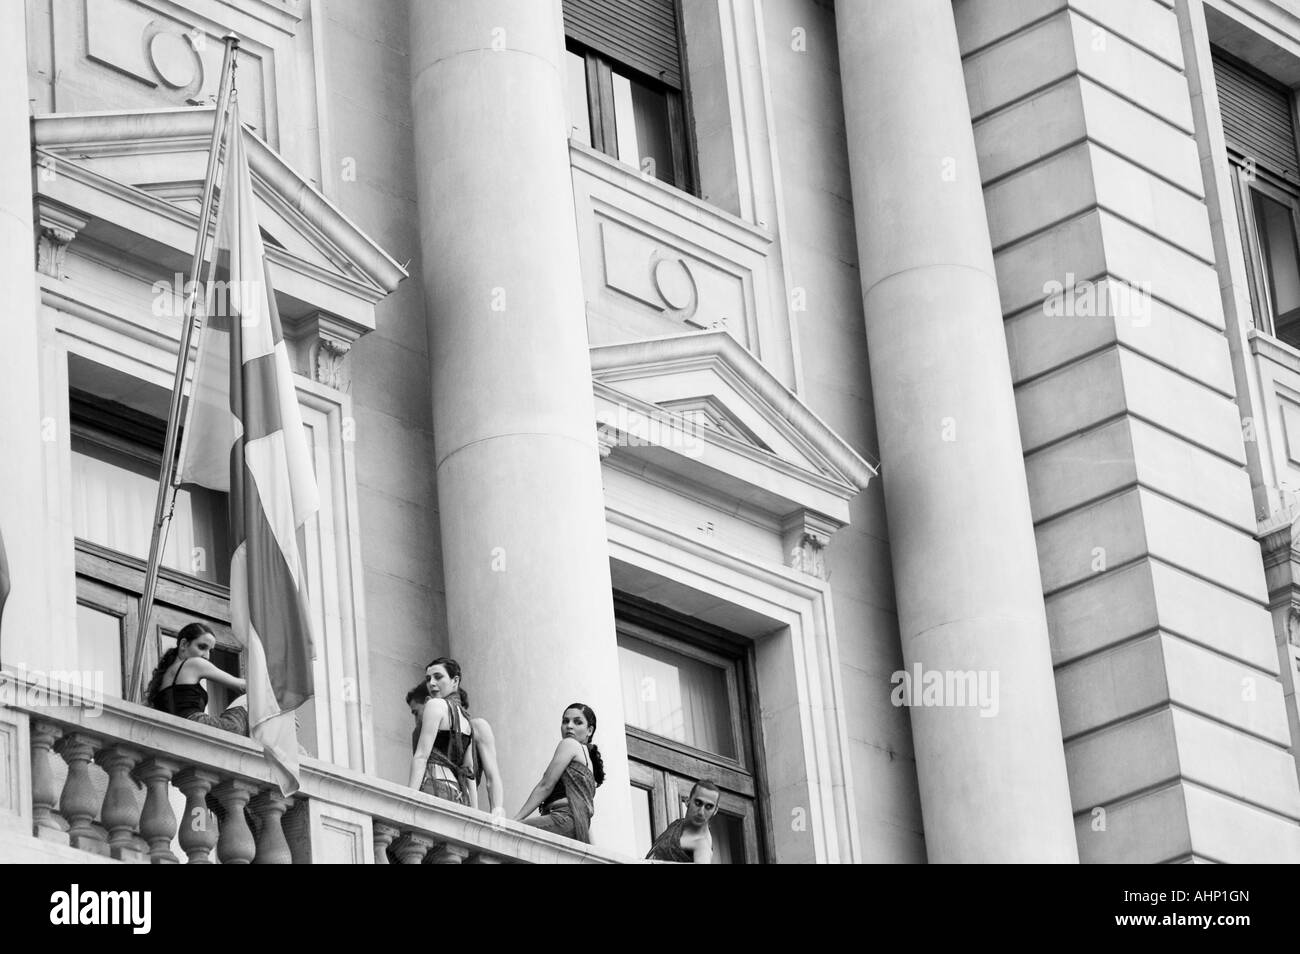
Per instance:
x=90, y=780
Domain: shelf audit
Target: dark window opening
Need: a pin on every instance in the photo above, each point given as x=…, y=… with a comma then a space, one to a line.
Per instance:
x=625, y=89
x=1259, y=129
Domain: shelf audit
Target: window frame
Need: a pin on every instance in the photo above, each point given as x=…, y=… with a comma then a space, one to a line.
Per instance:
x=599, y=74
x=112, y=582
x=667, y=768
x=1248, y=177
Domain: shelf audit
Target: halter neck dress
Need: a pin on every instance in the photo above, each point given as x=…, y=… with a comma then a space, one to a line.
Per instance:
x=578, y=785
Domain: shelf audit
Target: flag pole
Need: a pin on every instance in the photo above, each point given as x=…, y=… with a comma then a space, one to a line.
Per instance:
x=166, y=491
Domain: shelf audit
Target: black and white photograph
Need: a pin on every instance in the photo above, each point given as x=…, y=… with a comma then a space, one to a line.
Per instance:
x=650, y=432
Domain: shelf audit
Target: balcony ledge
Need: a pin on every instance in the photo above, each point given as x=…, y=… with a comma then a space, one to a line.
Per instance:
x=154, y=734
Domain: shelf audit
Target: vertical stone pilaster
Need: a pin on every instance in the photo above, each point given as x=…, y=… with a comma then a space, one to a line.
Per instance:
x=24, y=628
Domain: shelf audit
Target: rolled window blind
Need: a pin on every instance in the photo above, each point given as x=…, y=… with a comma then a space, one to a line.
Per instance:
x=1257, y=117
x=641, y=34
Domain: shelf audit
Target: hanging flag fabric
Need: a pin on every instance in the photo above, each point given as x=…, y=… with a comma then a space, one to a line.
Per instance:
x=244, y=435
x=4, y=577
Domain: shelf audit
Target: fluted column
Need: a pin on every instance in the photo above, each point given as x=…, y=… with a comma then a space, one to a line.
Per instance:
x=525, y=555
x=26, y=638
x=992, y=781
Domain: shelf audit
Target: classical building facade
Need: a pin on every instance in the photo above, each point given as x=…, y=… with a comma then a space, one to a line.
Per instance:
x=884, y=409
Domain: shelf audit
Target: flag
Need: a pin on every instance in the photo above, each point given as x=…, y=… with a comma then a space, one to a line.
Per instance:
x=4, y=576
x=244, y=436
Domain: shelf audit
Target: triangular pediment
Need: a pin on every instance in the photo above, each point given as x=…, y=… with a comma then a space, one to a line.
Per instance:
x=708, y=411
x=704, y=407
x=135, y=180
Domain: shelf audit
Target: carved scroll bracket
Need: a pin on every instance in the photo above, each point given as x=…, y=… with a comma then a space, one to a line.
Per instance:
x=56, y=227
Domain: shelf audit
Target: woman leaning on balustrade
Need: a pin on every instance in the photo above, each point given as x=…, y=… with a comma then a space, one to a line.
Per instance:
x=176, y=686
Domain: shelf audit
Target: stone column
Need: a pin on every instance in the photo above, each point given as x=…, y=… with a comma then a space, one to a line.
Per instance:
x=993, y=786
x=520, y=501
x=24, y=628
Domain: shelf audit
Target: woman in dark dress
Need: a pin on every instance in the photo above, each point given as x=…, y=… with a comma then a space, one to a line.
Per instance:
x=442, y=764
x=176, y=686
x=566, y=793
x=485, y=770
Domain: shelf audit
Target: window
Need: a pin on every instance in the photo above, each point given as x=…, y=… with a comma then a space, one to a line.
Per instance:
x=625, y=85
x=116, y=453
x=1260, y=133
x=686, y=706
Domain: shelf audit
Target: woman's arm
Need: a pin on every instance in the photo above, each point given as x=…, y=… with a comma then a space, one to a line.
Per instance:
x=430, y=719
x=487, y=754
x=209, y=670
x=565, y=753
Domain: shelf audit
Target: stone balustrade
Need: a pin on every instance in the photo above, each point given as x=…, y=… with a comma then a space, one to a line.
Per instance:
x=124, y=763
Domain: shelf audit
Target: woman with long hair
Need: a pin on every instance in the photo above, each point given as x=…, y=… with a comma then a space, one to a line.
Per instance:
x=176, y=686
x=566, y=793
x=485, y=767
x=442, y=764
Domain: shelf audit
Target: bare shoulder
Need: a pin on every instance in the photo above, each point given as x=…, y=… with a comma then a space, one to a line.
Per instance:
x=481, y=728
x=435, y=711
x=203, y=668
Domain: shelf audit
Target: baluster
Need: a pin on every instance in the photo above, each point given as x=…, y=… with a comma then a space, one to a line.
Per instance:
x=47, y=823
x=412, y=847
x=446, y=854
x=78, y=803
x=384, y=836
x=157, y=820
x=120, y=813
x=272, y=847
x=235, y=844
x=198, y=835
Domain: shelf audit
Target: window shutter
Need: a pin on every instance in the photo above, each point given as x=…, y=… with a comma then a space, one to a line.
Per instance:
x=641, y=34
x=1257, y=117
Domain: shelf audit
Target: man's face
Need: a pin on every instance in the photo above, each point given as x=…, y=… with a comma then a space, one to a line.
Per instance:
x=701, y=806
